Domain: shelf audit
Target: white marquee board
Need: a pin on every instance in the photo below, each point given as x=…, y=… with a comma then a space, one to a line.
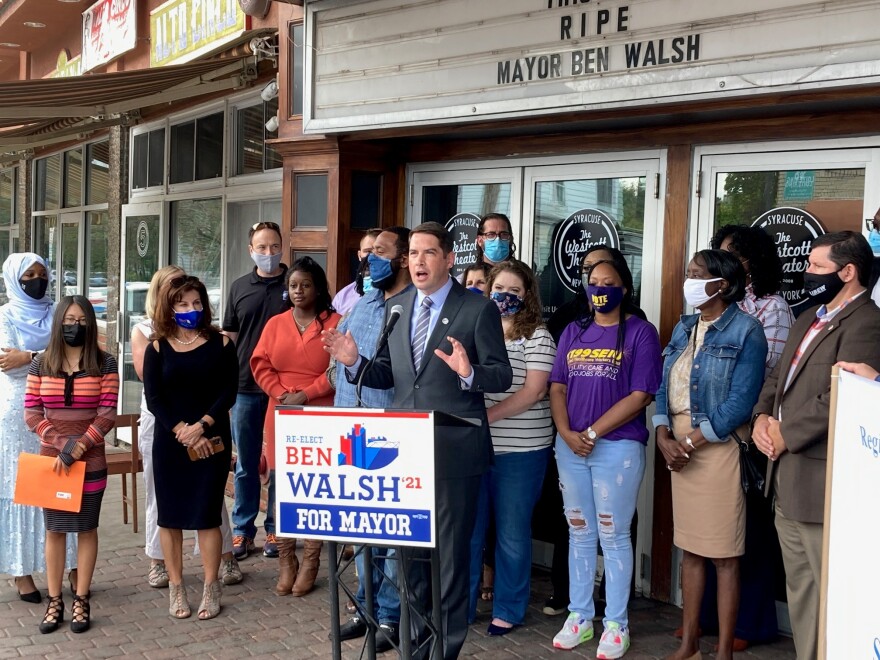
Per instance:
x=379, y=63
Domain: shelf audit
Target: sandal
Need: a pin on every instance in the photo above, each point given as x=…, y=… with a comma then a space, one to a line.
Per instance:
x=178, y=606
x=158, y=575
x=487, y=591
x=80, y=614
x=210, y=605
x=54, y=615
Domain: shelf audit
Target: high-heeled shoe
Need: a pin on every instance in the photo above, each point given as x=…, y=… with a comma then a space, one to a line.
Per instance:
x=54, y=615
x=29, y=597
x=210, y=605
x=80, y=614
x=72, y=579
x=178, y=605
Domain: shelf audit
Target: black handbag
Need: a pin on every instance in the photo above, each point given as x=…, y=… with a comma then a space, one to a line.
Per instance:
x=751, y=477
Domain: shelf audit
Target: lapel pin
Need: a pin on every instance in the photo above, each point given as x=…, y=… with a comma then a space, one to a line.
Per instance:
x=444, y=321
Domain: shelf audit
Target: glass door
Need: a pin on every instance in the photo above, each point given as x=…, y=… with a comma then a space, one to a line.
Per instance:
x=142, y=255
x=458, y=199
x=793, y=195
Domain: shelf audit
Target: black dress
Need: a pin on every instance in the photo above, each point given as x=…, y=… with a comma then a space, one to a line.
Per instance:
x=182, y=387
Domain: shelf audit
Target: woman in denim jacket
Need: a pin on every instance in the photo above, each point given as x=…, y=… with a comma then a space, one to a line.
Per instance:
x=712, y=374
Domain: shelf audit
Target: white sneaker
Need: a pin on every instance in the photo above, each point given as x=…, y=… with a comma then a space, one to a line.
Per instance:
x=614, y=642
x=230, y=573
x=576, y=630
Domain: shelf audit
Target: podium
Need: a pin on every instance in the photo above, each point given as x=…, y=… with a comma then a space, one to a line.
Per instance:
x=364, y=476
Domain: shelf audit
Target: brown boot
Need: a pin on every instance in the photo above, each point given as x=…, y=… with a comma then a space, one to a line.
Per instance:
x=305, y=578
x=287, y=565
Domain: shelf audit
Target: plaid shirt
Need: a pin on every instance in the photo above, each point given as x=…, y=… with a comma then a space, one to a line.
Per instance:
x=774, y=315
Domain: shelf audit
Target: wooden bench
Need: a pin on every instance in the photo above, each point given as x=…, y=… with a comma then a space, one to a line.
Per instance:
x=125, y=463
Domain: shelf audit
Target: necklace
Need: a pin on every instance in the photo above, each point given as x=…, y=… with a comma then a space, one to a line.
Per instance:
x=302, y=326
x=72, y=367
x=187, y=343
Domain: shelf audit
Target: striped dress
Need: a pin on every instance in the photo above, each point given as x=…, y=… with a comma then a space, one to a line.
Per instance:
x=70, y=408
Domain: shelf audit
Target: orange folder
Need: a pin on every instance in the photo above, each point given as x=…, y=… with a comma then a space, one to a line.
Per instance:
x=36, y=484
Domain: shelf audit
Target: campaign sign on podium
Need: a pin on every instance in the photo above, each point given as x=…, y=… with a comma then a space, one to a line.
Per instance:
x=355, y=475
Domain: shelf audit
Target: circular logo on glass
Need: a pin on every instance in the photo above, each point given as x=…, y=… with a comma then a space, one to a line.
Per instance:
x=574, y=236
x=793, y=230
x=143, y=238
x=463, y=227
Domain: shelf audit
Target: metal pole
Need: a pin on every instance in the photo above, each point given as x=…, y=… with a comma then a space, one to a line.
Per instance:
x=436, y=605
x=367, y=578
x=403, y=589
x=333, y=565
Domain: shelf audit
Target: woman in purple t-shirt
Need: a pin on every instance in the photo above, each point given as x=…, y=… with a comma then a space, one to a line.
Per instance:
x=607, y=370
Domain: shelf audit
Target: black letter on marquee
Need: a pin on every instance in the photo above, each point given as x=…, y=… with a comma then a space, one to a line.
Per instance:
x=603, y=17
x=565, y=28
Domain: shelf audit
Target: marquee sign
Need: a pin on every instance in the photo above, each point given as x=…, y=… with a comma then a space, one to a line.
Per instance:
x=379, y=63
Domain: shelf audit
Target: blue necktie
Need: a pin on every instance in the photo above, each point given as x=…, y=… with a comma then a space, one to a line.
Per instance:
x=420, y=337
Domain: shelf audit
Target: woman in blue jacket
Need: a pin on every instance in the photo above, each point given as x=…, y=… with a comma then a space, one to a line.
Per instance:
x=712, y=373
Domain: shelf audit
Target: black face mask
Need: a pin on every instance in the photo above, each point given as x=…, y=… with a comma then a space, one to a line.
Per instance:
x=822, y=288
x=74, y=335
x=35, y=288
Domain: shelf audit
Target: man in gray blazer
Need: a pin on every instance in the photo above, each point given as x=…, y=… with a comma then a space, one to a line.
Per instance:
x=444, y=354
x=790, y=422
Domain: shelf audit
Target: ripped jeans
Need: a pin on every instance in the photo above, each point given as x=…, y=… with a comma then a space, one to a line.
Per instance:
x=599, y=494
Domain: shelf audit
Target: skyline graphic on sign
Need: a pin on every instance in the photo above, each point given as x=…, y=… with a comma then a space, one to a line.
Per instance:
x=367, y=454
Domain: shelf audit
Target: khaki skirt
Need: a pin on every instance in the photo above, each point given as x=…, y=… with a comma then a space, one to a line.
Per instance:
x=708, y=505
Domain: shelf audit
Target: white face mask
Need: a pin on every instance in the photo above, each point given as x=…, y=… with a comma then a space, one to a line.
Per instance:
x=695, y=291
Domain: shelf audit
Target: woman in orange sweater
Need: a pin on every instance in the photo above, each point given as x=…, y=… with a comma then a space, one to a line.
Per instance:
x=290, y=365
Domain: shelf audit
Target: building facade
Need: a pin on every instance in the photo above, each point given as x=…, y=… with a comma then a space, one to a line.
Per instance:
x=644, y=125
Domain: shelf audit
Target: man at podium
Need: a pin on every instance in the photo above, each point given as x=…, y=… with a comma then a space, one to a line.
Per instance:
x=445, y=352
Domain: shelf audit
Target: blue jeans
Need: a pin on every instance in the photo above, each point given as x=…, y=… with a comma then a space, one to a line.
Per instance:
x=385, y=596
x=599, y=494
x=508, y=492
x=248, y=418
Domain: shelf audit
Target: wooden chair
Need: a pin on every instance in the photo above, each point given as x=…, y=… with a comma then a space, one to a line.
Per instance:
x=127, y=463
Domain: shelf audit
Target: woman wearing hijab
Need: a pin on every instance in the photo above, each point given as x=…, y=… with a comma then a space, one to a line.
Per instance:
x=25, y=322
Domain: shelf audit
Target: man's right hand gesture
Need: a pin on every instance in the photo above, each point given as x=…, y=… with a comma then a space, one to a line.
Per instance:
x=340, y=346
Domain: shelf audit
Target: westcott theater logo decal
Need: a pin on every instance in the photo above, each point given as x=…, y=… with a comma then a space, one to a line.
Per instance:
x=463, y=227
x=794, y=231
x=576, y=234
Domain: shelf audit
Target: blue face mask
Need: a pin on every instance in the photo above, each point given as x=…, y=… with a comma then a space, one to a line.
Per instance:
x=604, y=299
x=496, y=250
x=189, y=320
x=474, y=289
x=367, y=283
x=508, y=303
x=874, y=241
x=380, y=268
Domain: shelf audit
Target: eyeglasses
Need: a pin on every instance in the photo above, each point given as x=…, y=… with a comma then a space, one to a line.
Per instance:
x=266, y=225
x=492, y=235
x=69, y=320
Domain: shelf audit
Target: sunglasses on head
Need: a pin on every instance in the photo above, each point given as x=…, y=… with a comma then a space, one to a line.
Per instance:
x=266, y=225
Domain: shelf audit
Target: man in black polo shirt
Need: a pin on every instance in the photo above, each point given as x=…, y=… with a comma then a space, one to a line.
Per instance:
x=253, y=299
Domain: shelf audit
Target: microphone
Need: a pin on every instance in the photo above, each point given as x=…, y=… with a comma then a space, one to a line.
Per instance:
x=393, y=318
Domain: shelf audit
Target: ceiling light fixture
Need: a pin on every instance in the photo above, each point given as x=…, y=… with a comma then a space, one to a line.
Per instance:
x=9, y=44
x=34, y=24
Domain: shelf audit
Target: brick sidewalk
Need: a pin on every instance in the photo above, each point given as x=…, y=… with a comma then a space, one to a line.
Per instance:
x=130, y=618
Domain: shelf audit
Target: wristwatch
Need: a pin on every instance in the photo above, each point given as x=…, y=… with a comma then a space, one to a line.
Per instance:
x=591, y=434
x=204, y=424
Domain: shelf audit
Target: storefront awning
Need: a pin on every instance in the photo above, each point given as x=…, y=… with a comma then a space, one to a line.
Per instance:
x=36, y=113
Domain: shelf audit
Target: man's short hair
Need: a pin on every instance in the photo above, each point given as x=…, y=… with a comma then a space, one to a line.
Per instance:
x=259, y=226
x=849, y=247
x=438, y=230
x=401, y=241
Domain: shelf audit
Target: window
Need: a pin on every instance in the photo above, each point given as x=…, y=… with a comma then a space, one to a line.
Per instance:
x=197, y=149
x=98, y=273
x=148, y=159
x=45, y=228
x=311, y=200
x=366, y=199
x=297, y=75
x=251, y=153
x=98, y=171
x=196, y=231
x=7, y=219
x=47, y=183
x=73, y=177
x=319, y=257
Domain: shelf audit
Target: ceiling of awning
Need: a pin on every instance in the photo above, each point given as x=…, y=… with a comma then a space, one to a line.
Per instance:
x=35, y=113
